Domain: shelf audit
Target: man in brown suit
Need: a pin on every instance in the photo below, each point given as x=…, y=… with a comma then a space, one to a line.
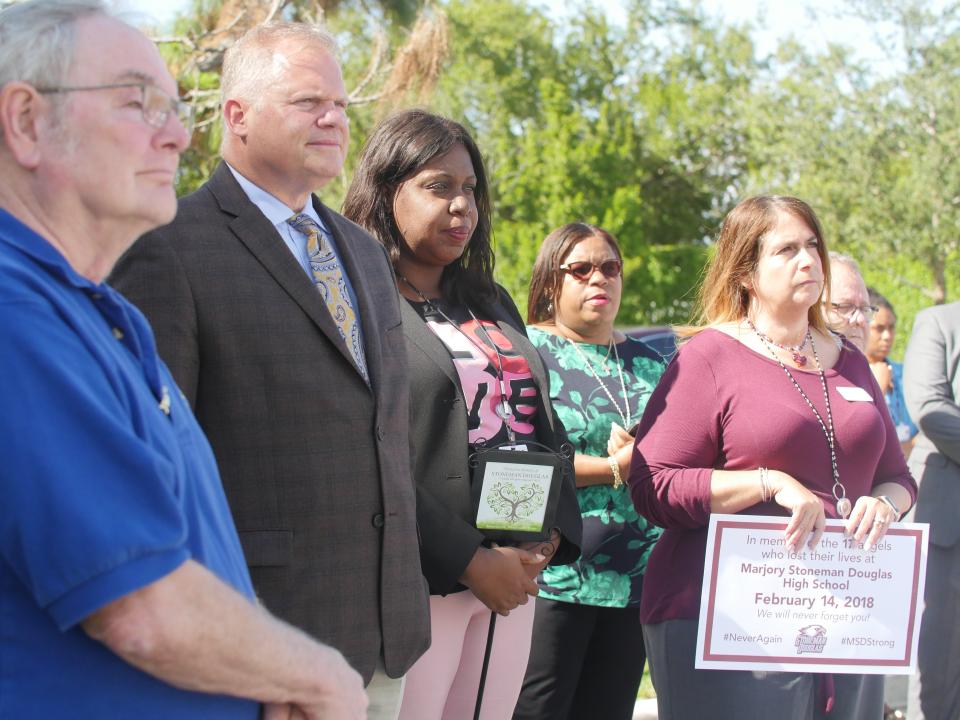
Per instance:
x=298, y=376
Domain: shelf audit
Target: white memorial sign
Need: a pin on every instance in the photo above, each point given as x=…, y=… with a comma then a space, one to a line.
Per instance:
x=839, y=608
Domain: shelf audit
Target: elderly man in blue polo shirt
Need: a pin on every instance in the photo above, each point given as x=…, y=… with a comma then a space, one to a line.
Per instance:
x=123, y=590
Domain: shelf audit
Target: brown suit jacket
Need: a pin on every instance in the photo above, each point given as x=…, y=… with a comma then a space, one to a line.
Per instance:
x=315, y=462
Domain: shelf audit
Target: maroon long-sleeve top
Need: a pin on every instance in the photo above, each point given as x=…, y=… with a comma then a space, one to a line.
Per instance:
x=720, y=405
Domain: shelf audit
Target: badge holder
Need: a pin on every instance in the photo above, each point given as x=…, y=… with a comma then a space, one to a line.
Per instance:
x=515, y=494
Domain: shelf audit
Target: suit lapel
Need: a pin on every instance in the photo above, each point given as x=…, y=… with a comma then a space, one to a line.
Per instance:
x=261, y=238
x=417, y=332
x=498, y=314
x=507, y=324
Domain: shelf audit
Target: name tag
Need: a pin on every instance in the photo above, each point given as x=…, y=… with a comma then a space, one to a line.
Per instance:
x=854, y=394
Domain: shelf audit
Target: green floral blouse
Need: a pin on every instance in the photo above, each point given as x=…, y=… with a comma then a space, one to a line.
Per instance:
x=616, y=540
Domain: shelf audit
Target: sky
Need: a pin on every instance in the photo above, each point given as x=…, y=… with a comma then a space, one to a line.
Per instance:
x=773, y=20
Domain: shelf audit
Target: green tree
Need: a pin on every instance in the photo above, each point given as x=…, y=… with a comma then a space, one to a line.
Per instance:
x=872, y=152
x=575, y=129
x=652, y=130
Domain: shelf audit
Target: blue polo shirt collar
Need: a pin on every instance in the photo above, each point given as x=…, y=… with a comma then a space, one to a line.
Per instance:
x=125, y=322
x=25, y=239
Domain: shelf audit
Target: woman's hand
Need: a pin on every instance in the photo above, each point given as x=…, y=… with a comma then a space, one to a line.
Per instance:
x=547, y=548
x=499, y=577
x=869, y=521
x=806, y=510
x=619, y=438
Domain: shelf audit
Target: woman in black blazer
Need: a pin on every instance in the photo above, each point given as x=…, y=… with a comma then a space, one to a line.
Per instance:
x=476, y=381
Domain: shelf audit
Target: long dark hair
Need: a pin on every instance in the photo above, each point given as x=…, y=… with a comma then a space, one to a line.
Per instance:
x=547, y=278
x=397, y=149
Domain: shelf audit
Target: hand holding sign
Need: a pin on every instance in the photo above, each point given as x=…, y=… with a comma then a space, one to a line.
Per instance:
x=837, y=608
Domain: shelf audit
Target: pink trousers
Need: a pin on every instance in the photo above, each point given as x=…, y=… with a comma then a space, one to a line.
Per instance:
x=442, y=685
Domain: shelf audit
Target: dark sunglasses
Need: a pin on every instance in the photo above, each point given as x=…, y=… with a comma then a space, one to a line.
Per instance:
x=583, y=269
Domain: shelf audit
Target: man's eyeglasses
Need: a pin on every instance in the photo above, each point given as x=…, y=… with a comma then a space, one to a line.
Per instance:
x=848, y=311
x=583, y=269
x=155, y=105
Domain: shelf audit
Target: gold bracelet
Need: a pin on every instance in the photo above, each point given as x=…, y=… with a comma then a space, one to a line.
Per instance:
x=615, y=469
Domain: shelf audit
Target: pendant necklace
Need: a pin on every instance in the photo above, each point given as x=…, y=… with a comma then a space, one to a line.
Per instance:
x=839, y=491
x=502, y=408
x=796, y=351
x=625, y=412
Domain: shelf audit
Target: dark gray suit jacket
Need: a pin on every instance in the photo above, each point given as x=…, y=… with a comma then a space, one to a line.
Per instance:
x=438, y=435
x=314, y=462
x=931, y=386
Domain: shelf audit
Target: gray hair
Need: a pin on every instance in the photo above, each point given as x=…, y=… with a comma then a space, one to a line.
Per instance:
x=841, y=259
x=249, y=64
x=37, y=39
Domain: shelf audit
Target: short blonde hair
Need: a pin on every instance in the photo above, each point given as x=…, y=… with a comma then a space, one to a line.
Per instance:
x=248, y=66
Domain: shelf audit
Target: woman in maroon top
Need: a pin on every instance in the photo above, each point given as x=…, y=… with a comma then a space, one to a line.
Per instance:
x=746, y=420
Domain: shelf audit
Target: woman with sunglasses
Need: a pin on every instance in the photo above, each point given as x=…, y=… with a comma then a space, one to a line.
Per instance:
x=587, y=657
x=420, y=188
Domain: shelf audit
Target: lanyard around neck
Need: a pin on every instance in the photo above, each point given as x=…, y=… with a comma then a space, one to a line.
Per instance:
x=503, y=409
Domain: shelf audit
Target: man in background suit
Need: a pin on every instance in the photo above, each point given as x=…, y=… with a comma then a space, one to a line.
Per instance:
x=281, y=322
x=931, y=385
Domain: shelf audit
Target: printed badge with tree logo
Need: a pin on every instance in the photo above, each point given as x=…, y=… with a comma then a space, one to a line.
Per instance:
x=516, y=493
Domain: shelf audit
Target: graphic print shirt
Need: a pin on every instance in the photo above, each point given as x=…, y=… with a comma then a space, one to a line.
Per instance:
x=616, y=540
x=476, y=362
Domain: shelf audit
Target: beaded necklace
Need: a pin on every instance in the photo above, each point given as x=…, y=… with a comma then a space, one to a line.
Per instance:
x=796, y=351
x=839, y=491
x=624, y=414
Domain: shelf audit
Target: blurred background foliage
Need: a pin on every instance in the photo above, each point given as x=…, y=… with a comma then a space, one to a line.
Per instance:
x=652, y=129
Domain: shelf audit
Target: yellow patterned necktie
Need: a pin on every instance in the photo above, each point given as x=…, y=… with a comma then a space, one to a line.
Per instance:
x=329, y=279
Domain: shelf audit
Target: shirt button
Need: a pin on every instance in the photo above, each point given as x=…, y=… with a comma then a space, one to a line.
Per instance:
x=118, y=333
x=377, y=521
x=379, y=433
x=97, y=296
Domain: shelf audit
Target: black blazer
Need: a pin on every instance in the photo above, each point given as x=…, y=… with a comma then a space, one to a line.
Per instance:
x=438, y=440
x=315, y=462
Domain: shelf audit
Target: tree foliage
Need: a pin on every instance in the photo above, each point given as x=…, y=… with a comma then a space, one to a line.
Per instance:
x=652, y=129
x=872, y=152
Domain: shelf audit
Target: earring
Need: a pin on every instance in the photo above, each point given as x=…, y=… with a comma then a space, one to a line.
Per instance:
x=550, y=307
